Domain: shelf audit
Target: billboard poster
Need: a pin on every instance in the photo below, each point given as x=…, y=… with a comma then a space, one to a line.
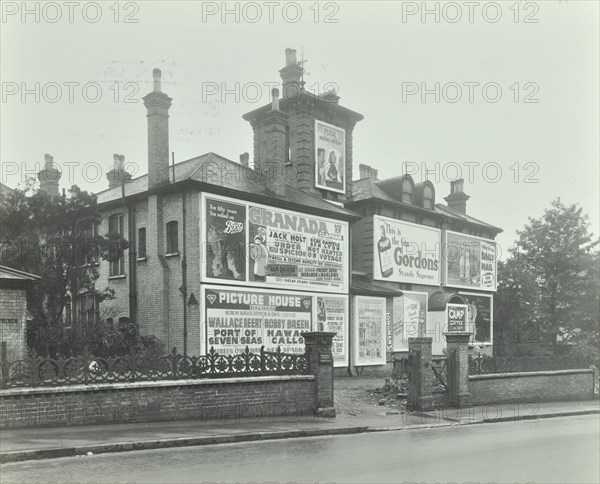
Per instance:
x=410, y=313
x=234, y=319
x=456, y=318
x=330, y=152
x=370, y=339
x=226, y=239
x=331, y=314
x=470, y=262
x=406, y=252
x=251, y=244
x=479, y=316
x=291, y=249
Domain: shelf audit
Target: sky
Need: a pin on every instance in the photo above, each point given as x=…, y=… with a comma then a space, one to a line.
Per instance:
x=503, y=93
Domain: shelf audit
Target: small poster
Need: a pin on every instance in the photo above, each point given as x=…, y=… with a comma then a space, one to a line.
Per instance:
x=479, y=316
x=456, y=318
x=370, y=339
x=410, y=316
x=331, y=313
x=225, y=240
x=330, y=150
x=470, y=261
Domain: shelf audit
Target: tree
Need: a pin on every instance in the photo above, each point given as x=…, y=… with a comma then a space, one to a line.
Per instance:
x=551, y=279
x=55, y=238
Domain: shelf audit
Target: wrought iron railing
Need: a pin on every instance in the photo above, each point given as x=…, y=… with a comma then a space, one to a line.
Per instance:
x=486, y=364
x=36, y=370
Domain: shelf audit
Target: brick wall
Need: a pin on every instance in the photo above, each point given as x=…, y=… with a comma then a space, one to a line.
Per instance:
x=531, y=387
x=13, y=313
x=249, y=398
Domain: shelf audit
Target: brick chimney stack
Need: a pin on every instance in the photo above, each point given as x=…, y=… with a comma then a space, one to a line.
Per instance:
x=245, y=159
x=157, y=104
x=291, y=76
x=365, y=171
x=117, y=174
x=275, y=123
x=457, y=200
x=49, y=177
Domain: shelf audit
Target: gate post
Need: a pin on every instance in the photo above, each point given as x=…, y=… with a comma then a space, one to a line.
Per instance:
x=420, y=396
x=319, y=360
x=458, y=368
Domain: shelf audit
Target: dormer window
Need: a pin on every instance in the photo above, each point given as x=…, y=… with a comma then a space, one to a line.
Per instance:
x=428, y=197
x=407, y=191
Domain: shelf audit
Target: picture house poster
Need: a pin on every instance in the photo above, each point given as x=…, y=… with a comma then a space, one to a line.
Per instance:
x=470, y=261
x=246, y=243
x=330, y=150
x=406, y=252
x=234, y=319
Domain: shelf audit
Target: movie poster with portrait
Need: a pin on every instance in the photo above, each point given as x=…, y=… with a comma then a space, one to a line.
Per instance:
x=225, y=240
x=330, y=153
x=479, y=316
x=370, y=335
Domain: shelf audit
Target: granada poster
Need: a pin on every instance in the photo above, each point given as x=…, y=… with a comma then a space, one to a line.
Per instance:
x=370, y=338
x=479, y=316
x=296, y=250
x=234, y=319
x=330, y=150
x=406, y=252
x=256, y=245
x=409, y=317
x=470, y=261
x=331, y=314
x=225, y=240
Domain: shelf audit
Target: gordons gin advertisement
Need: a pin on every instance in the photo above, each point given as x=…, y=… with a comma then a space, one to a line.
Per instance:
x=406, y=252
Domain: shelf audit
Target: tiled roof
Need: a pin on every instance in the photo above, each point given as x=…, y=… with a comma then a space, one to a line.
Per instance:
x=368, y=189
x=215, y=170
x=8, y=273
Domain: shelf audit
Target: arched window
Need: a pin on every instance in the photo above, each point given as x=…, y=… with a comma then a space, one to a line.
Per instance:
x=407, y=190
x=172, y=238
x=428, y=197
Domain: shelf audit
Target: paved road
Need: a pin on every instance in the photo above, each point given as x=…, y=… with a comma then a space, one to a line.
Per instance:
x=549, y=450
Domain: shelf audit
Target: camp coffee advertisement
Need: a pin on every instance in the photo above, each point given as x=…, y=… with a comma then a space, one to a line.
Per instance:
x=330, y=150
x=405, y=252
x=370, y=339
x=456, y=321
x=251, y=243
x=470, y=261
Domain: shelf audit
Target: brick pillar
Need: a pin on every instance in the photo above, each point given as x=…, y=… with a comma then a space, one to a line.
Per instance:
x=458, y=368
x=420, y=396
x=319, y=359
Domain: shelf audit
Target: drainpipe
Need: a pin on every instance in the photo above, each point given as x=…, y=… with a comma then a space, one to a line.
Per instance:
x=184, y=273
x=132, y=256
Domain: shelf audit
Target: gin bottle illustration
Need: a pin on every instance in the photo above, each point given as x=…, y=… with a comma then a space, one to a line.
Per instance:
x=384, y=247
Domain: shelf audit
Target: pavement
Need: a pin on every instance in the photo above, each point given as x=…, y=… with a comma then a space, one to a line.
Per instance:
x=52, y=442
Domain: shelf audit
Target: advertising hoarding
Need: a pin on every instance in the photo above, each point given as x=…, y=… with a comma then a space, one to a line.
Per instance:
x=330, y=152
x=470, y=262
x=406, y=252
x=370, y=333
x=410, y=316
x=234, y=318
x=480, y=316
x=251, y=244
x=456, y=318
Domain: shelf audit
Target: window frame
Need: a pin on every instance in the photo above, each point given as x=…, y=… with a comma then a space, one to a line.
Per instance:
x=141, y=248
x=172, y=236
x=116, y=267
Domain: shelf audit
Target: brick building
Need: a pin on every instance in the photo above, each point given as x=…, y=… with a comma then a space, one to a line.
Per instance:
x=216, y=245
x=13, y=311
x=413, y=259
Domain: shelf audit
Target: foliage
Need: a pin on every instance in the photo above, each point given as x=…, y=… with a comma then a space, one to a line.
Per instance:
x=548, y=288
x=55, y=238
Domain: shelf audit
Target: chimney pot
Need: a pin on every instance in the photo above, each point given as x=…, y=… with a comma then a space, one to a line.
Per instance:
x=245, y=159
x=275, y=99
x=157, y=74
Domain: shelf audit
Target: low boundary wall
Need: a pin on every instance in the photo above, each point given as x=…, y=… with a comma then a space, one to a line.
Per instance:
x=535, y=386
x=247, y=398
